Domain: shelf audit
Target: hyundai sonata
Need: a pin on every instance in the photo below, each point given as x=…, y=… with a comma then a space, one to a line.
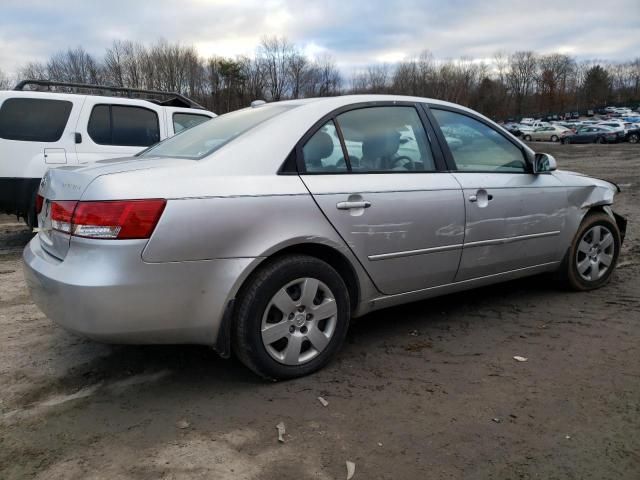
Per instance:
x=265, y=230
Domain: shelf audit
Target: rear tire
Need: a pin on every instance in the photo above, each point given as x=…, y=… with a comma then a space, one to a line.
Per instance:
x=307, y=302
x=634, y=138
x=527, y=138
x=566, y=141
x=601, y=140
x=593, y=253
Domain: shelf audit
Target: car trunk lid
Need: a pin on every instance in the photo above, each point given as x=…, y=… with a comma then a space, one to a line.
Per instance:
x=70, y=183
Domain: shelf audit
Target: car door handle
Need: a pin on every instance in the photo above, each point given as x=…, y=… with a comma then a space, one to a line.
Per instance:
x=350, y=205
x=474, y=197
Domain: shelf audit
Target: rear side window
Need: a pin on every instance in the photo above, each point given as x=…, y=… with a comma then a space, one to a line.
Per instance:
x=386, y=139
x=323, y=152
x=34, y=119
x=183, y=121
x=99, y=127
x=124, y=126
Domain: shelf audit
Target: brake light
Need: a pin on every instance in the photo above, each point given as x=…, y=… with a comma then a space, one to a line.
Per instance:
x=61, y=214
x=39, y=203
x=118, y=219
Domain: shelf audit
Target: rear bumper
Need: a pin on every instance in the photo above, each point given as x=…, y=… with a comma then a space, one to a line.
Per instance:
x=16, y=195
x=109, y=294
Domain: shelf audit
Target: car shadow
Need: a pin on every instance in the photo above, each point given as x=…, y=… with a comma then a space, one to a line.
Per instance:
x=200, y=365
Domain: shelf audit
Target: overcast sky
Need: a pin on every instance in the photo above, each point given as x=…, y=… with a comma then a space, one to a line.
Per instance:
x=354, y=32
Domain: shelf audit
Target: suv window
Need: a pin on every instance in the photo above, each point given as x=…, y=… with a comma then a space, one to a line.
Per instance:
x=323, y=152
x=183, y=121
x=477, y=147
x=386, y=139
x=123, y=125
x=34, y=119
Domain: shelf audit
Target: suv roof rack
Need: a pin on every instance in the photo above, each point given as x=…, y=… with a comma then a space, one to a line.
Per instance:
x=170, y=99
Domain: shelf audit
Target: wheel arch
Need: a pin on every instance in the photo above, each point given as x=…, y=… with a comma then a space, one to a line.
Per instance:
x=326, y=253
x=329, y=254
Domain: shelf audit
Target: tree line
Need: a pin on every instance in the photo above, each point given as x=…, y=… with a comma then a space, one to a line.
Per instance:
x=509, y=85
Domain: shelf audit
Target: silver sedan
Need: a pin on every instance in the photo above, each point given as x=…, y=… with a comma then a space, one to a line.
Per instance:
x=266, y=230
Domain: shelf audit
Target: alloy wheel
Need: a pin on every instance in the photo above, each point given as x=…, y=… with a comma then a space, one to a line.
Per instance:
x=299, y=321
x=595, y=253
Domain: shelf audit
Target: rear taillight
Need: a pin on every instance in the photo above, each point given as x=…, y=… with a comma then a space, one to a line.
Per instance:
x=61, y=213
x=119, y=219
x=39, y=203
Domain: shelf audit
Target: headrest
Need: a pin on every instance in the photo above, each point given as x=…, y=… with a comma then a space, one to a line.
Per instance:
x=318, y=147
x=382, y=144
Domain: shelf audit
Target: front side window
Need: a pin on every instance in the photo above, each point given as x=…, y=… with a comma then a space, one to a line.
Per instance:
x=323, y=152
x=386, y=139
x=477, y=147
x=183, y=121
x=123, y=126
x=34, y=119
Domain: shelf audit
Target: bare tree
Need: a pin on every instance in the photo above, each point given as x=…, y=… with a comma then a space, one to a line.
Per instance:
x=299, y=73
x=74, y=66
x=275, y=55
x=324, y=79
x=521, y=76
x=4, y=81
x=512, y=84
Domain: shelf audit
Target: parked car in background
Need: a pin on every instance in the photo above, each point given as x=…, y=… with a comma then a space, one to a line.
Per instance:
x=616, y=126
x=591, y=134
x=224, y=237
x=552, y=133
x=40, y=130
x=633, y=133
x=513, y=128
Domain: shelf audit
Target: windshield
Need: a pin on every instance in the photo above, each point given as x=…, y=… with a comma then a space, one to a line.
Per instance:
x=204, y=139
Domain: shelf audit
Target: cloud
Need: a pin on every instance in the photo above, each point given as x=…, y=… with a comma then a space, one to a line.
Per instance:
x=355, y=32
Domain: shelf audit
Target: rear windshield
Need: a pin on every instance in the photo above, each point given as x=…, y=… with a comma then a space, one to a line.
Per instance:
x=204, y=139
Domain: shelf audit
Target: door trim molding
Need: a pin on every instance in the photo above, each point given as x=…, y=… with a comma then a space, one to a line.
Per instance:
x=447, y=248
x=410, y=253
x=518, y=238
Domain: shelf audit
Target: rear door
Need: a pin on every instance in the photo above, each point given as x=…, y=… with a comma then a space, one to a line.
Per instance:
x=376, y=176
x=514, y=218
x=111, y=128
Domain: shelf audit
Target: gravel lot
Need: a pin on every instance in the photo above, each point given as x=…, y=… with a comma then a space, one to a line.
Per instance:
x=428, y=390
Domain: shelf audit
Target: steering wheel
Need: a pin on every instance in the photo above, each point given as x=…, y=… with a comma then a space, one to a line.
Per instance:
x=409, y=166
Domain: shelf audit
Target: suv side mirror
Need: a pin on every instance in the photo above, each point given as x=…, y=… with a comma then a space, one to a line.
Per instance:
x=544, y=163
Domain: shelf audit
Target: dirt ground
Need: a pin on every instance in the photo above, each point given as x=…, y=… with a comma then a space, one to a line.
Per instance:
x=424, y=391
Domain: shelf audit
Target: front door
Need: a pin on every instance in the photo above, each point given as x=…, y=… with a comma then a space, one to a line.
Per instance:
x=514, y=218
x=373, y=174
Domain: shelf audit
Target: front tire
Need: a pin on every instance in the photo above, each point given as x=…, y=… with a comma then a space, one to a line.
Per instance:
x=527, y=138
x=593, y=254
x=634, y=138
x=292, y=317
x=554, y=138
x=566, y=141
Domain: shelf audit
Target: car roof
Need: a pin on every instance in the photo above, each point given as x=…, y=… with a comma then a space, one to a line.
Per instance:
x=78, y=97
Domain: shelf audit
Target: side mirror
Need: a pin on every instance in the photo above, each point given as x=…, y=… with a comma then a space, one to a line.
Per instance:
x=544, y=163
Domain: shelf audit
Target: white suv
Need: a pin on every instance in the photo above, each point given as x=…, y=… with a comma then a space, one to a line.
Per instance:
x=41, y=130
